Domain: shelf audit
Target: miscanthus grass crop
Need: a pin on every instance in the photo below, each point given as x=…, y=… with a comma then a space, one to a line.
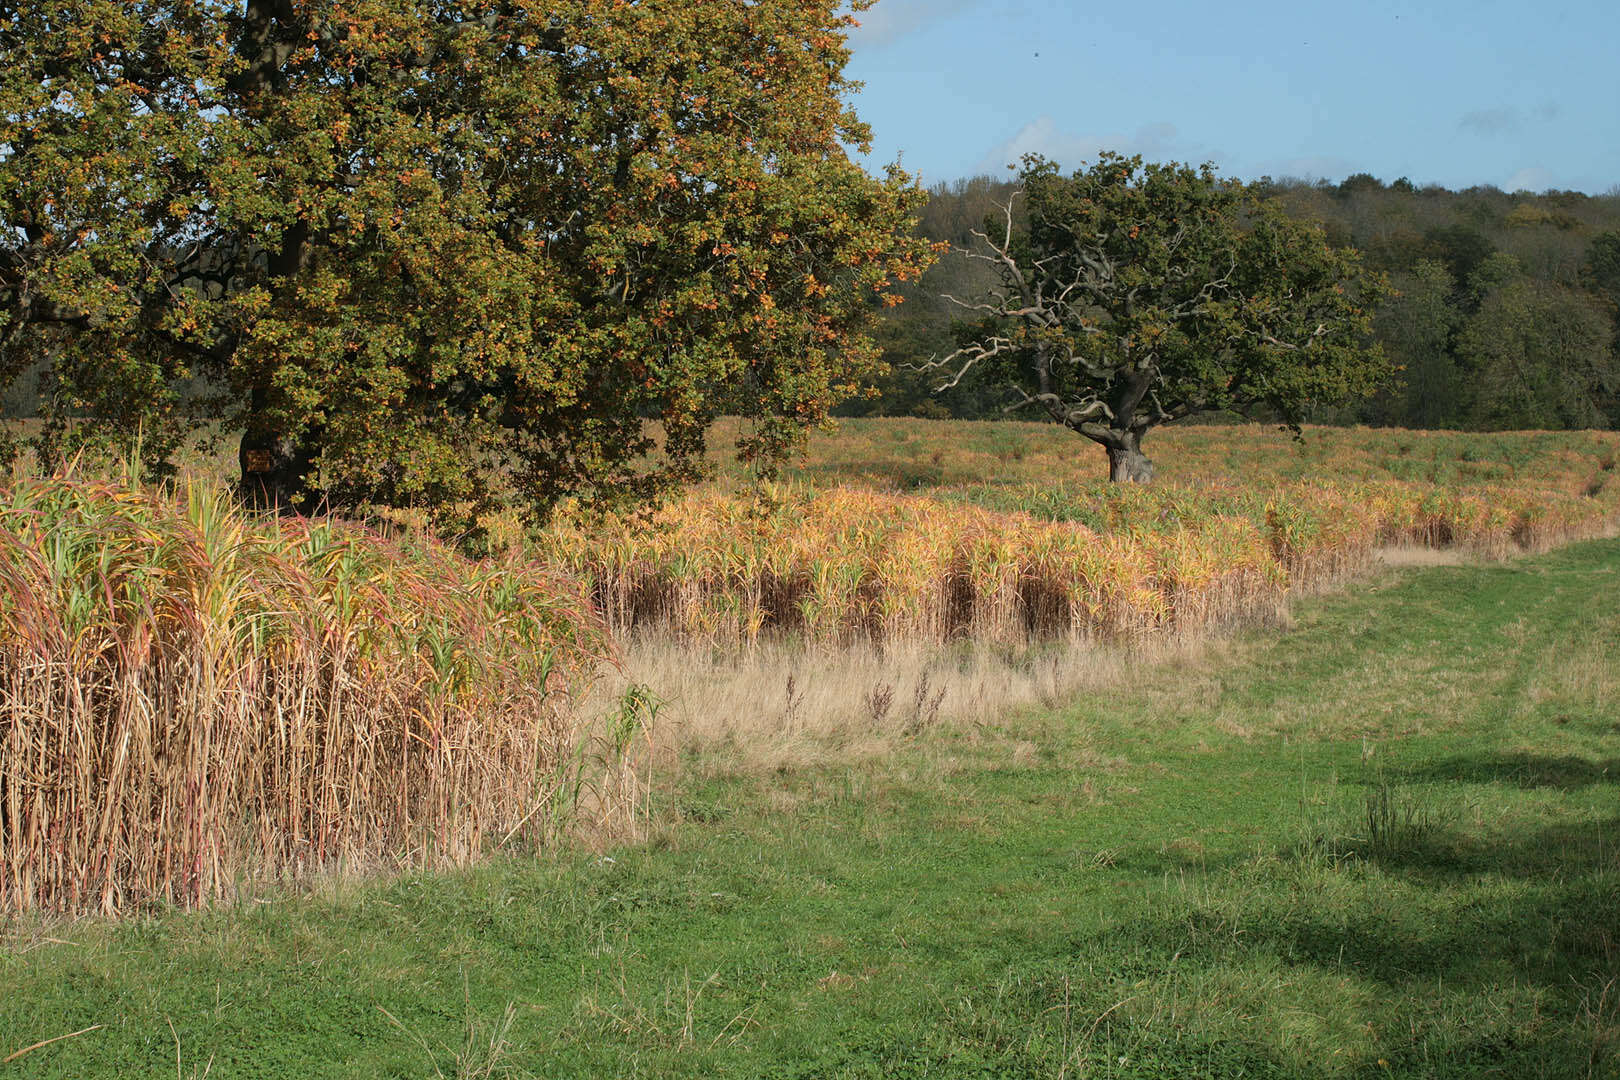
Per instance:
x=192, y=697
x=1009, y=559
x=846, y=564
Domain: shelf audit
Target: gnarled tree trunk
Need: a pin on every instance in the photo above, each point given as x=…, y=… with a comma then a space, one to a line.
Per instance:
x=1126, y=462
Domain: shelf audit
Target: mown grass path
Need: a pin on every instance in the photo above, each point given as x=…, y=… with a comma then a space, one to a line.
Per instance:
x=1385, y=842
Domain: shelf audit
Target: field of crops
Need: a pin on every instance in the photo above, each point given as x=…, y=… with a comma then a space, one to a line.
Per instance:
x=191, y=696
x=898, y=529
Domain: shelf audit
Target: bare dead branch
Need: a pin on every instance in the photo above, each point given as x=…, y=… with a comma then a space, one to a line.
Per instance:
x=967, y=356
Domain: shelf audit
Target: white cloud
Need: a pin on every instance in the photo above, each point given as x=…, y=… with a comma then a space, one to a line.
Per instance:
x=1533, y=178
x=1070, y=150
x=891, y=20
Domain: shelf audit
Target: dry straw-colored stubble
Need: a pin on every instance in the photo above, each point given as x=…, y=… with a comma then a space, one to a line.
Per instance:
x=190, y=698
x=783, y=704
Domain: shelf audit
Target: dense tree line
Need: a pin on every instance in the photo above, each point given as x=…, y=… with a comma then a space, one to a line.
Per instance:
x=1506, y=312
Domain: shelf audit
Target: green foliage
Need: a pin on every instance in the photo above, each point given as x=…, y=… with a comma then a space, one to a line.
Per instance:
x=1540, y=356
x=1601, y=273
x=1462, y=248
x=1135, y=294
x=415, y=245
x=1418, y=326
x=912, y=333
x=1492, y=272
x=1560, y=238
x=1602, y=268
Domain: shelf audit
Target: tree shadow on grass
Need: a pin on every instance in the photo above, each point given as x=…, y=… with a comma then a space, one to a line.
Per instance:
x=1565, y=772
x=1563, y=918
x=1431, y=916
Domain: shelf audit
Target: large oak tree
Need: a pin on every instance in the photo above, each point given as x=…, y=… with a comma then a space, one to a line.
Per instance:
x=1135, y=294
x=393, y=240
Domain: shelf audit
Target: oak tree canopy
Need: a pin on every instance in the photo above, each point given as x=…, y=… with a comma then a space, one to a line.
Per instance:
x=1135, y=294
x=426, y=251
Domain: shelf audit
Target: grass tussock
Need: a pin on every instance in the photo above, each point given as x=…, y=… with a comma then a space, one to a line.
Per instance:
x=191, y=697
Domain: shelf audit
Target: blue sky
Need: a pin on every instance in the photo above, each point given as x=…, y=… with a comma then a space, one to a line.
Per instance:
x=1483, y=92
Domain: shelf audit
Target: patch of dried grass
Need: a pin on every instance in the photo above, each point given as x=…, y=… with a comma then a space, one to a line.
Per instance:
x=783, y=705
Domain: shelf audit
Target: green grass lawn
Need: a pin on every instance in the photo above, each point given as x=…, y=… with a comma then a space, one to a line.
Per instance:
x=1385, y=842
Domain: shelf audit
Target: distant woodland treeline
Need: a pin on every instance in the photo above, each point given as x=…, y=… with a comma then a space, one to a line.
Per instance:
x=1508, y=313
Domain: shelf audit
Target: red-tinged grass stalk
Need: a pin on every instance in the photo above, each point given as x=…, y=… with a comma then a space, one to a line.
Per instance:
x=192, y=698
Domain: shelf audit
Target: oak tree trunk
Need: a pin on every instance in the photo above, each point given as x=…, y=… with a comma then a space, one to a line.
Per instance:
x=276, y=473
x=1126, y=462
x=277, y=468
